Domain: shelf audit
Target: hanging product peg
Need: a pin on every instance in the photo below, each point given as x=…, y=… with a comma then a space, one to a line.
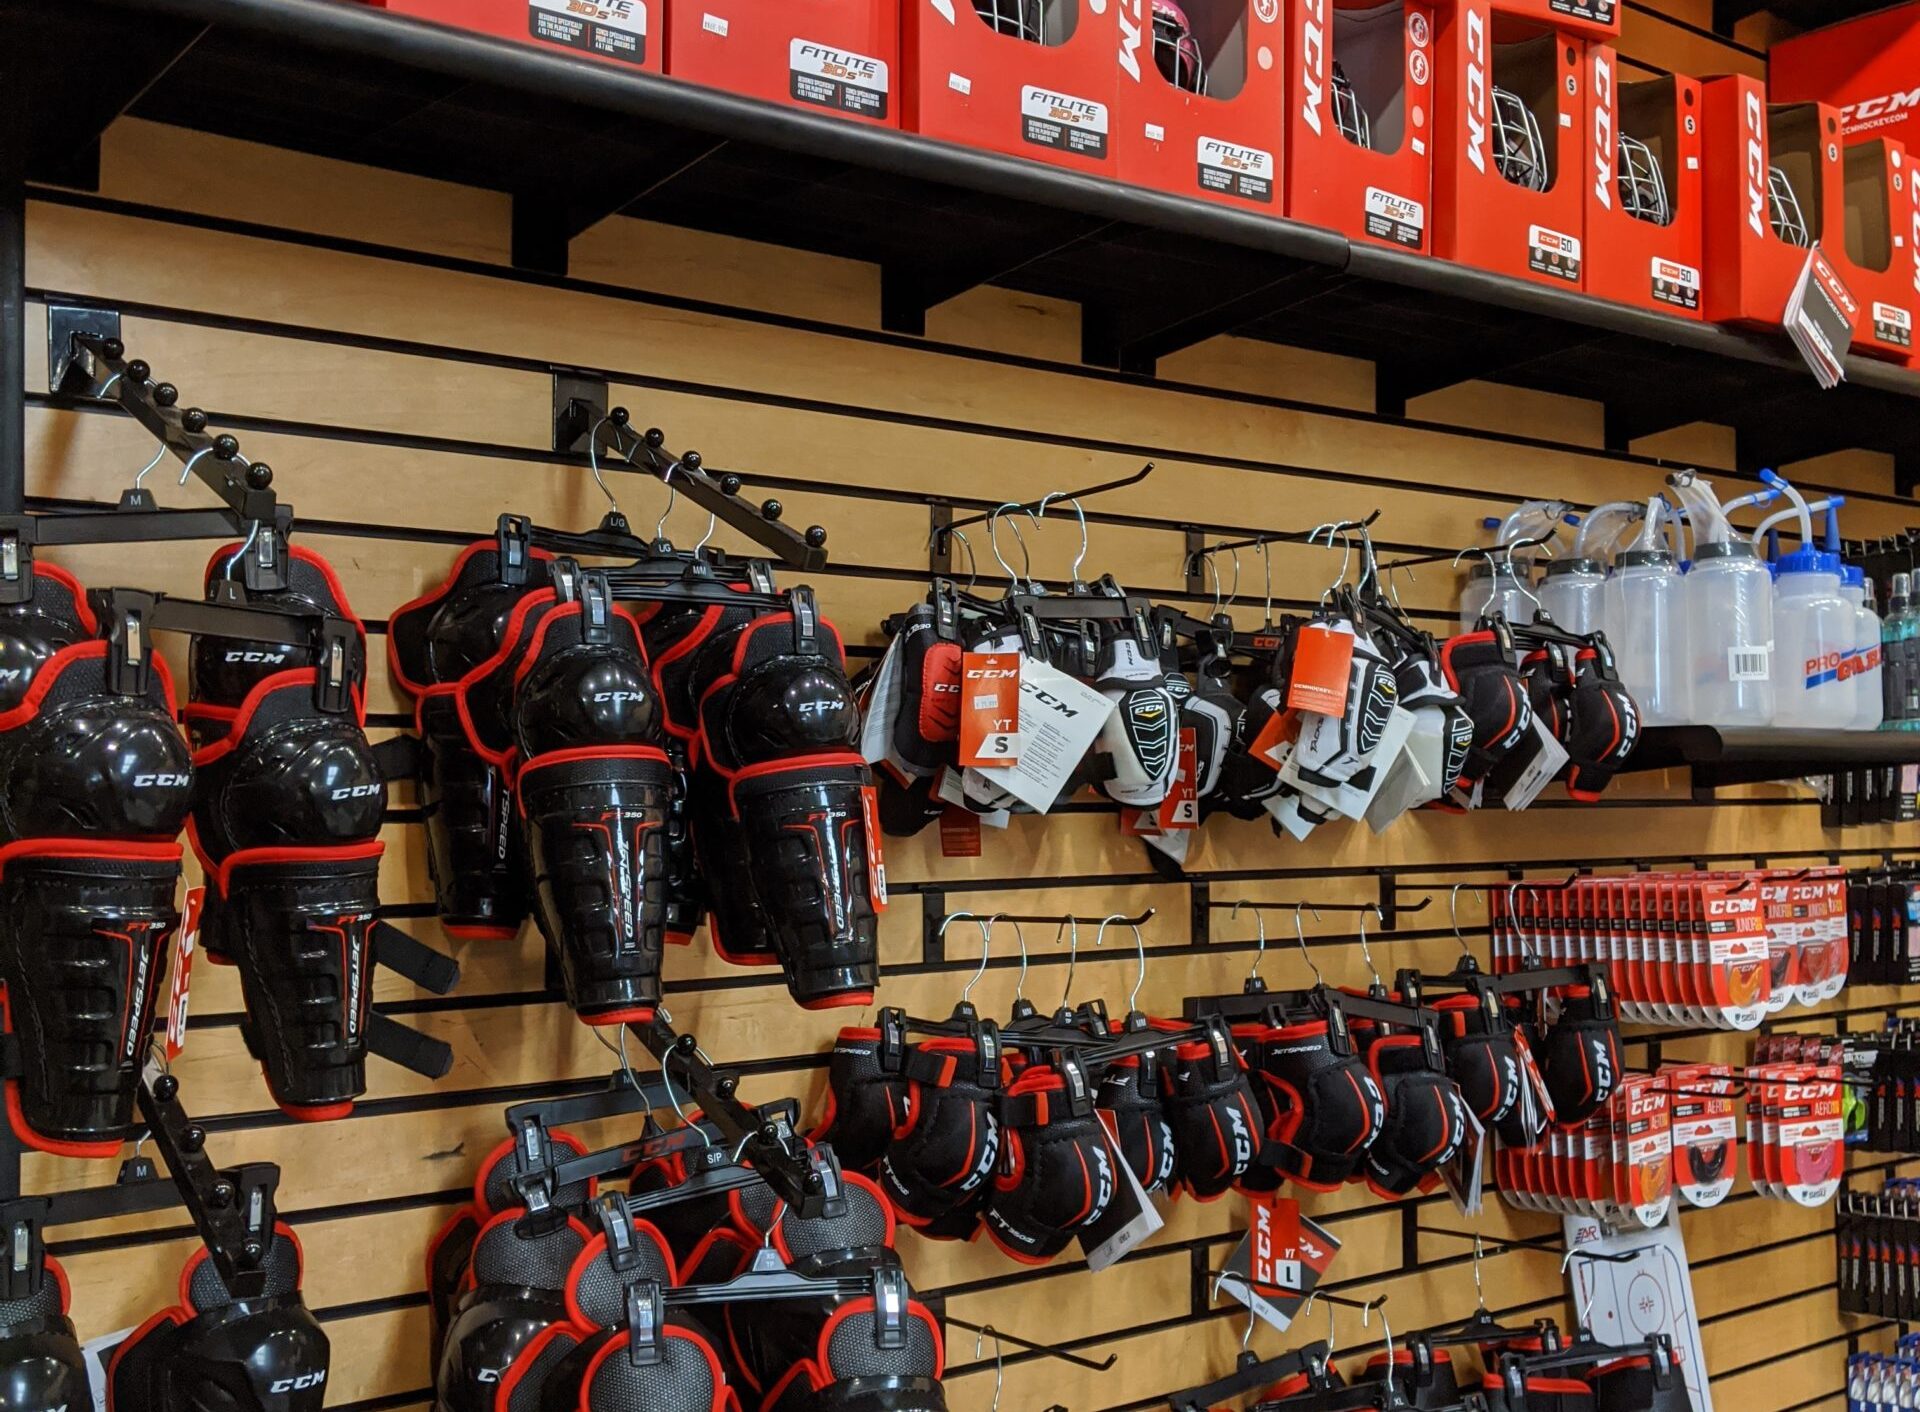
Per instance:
x=1285, y=537
x=942, y=532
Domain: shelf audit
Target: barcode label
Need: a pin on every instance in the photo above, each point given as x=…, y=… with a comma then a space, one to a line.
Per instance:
x=1748, y=663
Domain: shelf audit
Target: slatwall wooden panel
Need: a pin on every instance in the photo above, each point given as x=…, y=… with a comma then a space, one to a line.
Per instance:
x=361, y=331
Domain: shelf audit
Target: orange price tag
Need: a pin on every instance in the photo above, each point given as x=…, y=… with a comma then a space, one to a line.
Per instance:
x=876, y=860
x=1181, y=808
x=186, y=941
x=959, y=833
x=1322, y=659
x=1275, y=741
x=989, y=709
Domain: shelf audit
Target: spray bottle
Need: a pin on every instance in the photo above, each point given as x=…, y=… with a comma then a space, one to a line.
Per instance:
x=1729, y=606
x=1646, y=624
x=1813, y=629
x=1573, y=590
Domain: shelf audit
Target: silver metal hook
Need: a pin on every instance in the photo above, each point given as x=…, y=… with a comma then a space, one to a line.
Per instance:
x=1266, y=558
x=1513, y=920
x=1366, y=952
x=1332, y=1332
x=1586, y=1310
x=1260, y=945
x=1080, y=513
x=1213, y=572
x=986, y=949
x=1019, y=936
x=1140, y=949
x=253, y=534
x=666, y=479
x=666, y=1078
x=999, y=1363
x=712, y=520
x=1479, y=1289
x=973, y=565
x=1333, y=527
x=158, y=457
x=1300, y=931
x=102, y=393
x=1073, y=955
x=192, y=461
x=593, y=463
x=993, y=539
x=1453, y=912
x=1367, y=1309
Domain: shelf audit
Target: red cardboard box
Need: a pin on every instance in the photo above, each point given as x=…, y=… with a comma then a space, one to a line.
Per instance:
x=1031, y=77
x=631, y=32
x=1643, y=179
x=1201, y=96
x=833, y=56
x=1511, y=155
x=1856, y=200
x=1868, y=68
x=1359, y=104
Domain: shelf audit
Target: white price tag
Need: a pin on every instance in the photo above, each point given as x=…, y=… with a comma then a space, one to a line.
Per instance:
x=1060, y=716
x=883, y=704
x=1536, y=776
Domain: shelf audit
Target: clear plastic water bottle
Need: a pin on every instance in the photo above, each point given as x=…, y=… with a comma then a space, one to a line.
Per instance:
x=1813, y=631
x=1899, y=635
x=1868, y=705
x=1728, y=594
x=1573, y=590
x=1646, y=624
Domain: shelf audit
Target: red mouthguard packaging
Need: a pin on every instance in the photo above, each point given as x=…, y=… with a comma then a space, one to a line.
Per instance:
x=626, y=32
x=1511, y=156
x=832, y=56
x=1643, y=180
x=1031, y=77
x=1359, y=118
x=1200, y=99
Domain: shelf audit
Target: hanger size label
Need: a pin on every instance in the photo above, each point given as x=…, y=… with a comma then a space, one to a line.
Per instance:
x=990, y=709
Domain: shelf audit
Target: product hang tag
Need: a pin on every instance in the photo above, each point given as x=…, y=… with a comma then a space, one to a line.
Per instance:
x=1465, y=1176
x=1322, y=668
x=1305, y=1263
x=1060, y=718
x=959, y=833
x=1273, y=746
x=1130, y=1217
x=1820, y=317
x=186, y=941
x=882, y=705
x=1274, y=1249
x=1536, y=777
x=990, y=708
x=950, y=788
x=1181, y=808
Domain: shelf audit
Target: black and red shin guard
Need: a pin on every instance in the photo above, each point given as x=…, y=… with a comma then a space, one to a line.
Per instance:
x=94, y=787
x=784, y=804
x=473, y=850
x=41, y=1366
x=287, y=825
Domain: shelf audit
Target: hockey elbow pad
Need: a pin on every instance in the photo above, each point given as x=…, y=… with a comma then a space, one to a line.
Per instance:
x=1334, y=750
x=41, y=1366
x=1482, y=1058
x=925, y=733
x=1141, y=737
x=265, y=1354
x=865, y=1102
x=1326, y=1108
x=286, y=825
x=1602, y=729
x=1216, y=1124
x=941, y=1158
x=514, y=1289
x=778, y=726
x=1132, y=1095
x=1478, y=668
x=94, y=787
x=473, y=849
x=853, y=1370
x=1426, y=1118
x=1581, y=1057
x=1056, y=1164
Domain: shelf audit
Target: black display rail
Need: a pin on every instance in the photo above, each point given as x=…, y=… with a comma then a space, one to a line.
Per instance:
x=573, y=141
x=1723, y=757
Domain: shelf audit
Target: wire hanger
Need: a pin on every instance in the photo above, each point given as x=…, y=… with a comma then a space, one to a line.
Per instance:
x=1253, y=984
x=999, y=1363
x=1014, y=581
x=1300, y=934
x=1135, y=1020
x=1076, y=584
x=1366, y=952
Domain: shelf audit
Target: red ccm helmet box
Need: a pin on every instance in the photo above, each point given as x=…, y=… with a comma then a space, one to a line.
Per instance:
x=626, y=32
x=1643, y=187
x=833, y=56
x=1359, y=128
x=1202, y=87
x=1034, y=78
x=1511, y=155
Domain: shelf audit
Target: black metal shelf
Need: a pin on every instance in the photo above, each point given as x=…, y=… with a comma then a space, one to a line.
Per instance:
x=1720, y=757
x=573, y=141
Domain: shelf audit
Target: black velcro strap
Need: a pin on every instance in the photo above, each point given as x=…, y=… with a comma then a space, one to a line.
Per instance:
x=431, y=970
x=418, y=1053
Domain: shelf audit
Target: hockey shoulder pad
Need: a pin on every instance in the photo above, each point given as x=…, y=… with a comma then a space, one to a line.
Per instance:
x=1132, y=1096
x=1056, y=1171
x=594, y=788
x=54, y=615
x=1248, y=780
x=1216, y=1124
x=1603, y=726
x=1325, y=1107
x=778, y=725
x=925, y=732
x=865, y=1102
x=266, y=1354
x=1580, y=1058
x=942, y=1157
x=41, y=1366
x=287, y=828
x=1478, y=669
x=515, y=1288
x=1141, y=738
x=93, y=790
x=851, y=1369
x=1215, y=716
x=1332, y=750
x=222, y=672
x=1426, y=1118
